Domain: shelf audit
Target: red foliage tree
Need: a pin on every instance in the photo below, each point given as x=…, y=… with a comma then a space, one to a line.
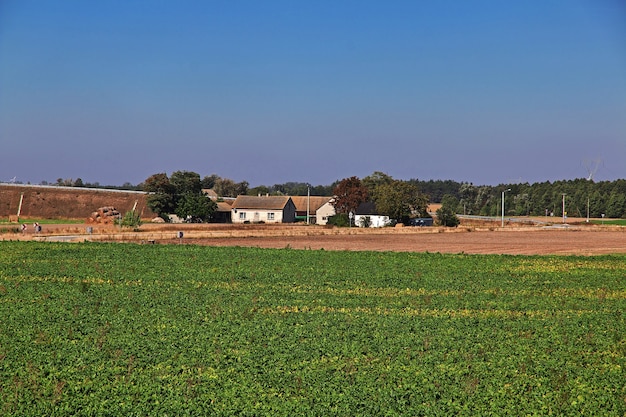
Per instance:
x=349, y=193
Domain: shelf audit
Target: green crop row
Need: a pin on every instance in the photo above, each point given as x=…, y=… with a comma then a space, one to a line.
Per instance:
x=98, y=329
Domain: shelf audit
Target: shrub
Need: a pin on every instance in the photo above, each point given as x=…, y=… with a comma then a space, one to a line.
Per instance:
x=339, y=220
x=131, y=219
x=365, y=221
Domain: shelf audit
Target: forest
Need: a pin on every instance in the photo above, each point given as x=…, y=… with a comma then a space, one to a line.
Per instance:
x=582, y=198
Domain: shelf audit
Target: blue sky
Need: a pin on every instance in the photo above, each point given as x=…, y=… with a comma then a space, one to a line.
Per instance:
x=268, y=92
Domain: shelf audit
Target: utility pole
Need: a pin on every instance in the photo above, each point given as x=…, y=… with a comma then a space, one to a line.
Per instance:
x=504, y=191
x=308, y=202
x=19, y=209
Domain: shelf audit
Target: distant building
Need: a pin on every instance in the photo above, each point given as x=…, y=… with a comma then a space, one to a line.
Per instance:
x=368, y=210
x=263, y=209
x=319, y=208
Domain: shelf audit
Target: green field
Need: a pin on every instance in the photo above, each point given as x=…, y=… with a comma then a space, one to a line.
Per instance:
x=153, y=330
x=615, y=222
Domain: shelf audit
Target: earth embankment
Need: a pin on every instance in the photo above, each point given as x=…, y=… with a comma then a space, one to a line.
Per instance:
x=50, y=202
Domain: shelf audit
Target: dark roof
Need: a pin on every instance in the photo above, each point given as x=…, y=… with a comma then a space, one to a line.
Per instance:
x=261, y=203
x=368, y=209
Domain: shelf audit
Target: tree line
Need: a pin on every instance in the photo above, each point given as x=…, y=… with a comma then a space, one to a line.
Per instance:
x=582, y=197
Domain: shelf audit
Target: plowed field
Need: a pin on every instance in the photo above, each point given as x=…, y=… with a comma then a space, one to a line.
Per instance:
x=528, y=242
x=565, y=240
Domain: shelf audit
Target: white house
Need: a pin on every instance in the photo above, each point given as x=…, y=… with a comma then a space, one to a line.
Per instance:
x=368, y=210
x=266, y=209
x=324, y=212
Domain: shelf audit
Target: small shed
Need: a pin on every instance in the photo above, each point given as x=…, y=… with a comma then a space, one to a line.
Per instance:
x=366, y=214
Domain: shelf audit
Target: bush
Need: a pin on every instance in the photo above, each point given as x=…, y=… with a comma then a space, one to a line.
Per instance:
x=131, y=219
x=446, y=217
x=365, y=221
x=339, y=220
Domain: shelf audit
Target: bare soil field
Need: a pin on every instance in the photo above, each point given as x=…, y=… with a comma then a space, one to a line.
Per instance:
x=559, y=242
x=558, y=239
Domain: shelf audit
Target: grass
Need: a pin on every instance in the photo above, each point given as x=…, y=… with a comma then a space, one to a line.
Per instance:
x=616, y=222
x=125, y=329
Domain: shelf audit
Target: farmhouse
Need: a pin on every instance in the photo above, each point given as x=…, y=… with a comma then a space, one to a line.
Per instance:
x=266, y=209
x=319, y=208
x=367, y=216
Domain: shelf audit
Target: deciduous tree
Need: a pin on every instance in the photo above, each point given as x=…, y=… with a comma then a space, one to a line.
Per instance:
x=196, y=207
x=162, y=194
x=400, y=200
x=445, y=214
x=186, y=182
x=349, y=193
x=181, y=194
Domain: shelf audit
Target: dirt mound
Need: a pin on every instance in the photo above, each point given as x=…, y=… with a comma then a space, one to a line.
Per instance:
x=48, y=202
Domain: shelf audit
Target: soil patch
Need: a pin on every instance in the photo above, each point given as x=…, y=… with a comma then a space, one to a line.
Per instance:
x=527, y=242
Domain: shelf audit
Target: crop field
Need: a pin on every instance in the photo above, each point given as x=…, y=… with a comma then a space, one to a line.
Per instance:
x=95, y=329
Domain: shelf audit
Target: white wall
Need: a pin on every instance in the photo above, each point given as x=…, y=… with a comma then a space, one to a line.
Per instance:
x=375, y=221
x=322, y=213
x=256, y=215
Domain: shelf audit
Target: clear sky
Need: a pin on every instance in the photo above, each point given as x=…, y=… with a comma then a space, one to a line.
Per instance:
x=269, y=91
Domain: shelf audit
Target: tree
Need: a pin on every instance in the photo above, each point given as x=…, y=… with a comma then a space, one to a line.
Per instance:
x=196, y=207
x=260, y=190
x=616, y=206
x=371, y=182
x=399, y=200
x=162, y=194
x=181, y=194
x=186, y=182
x=349, y=193
x=208, y=182
x=225, y=187
x=161, y=204
x=446, y=215
x=158, y=183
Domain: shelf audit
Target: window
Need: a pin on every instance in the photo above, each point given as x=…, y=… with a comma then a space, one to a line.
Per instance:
x=270, y=216
x=242, y=215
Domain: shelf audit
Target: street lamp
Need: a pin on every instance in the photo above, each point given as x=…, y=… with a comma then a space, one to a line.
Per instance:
x=503, y=191
x=564, y=213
